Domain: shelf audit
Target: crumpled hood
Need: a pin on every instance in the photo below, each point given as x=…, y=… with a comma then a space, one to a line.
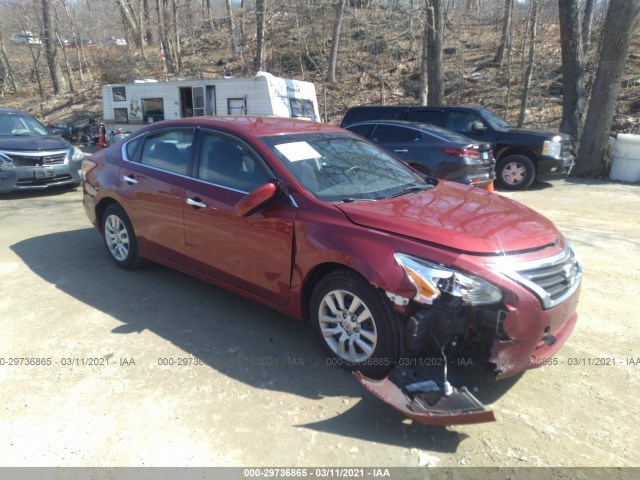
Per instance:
x=458, y=217
x=33, y=142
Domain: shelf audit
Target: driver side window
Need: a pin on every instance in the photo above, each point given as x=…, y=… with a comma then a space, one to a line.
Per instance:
x=228, y=164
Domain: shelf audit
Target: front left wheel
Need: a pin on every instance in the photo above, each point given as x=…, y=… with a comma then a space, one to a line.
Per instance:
x=120, y=238
x=355, y=323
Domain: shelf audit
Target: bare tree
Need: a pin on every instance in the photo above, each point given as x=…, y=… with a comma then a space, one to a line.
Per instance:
x=432, y=74
x=7, y=70
x=587, y=18
x=335, y=40
x=261, y=8
x=50, y=49
x=505, y=41
x=535, y=9
x=616, y=36
x=573, y=69
x=232, y=30
x=131, y=22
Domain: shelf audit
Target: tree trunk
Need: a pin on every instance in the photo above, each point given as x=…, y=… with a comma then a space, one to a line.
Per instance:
x=618, y=27
x=261, y=7
x=586, y=27
x=333, y=57
x=177, y=51
x=505, y=41
x=130, y=21
x=232, y=31
x=50, y=51
x=424, y=72
x=146, y=13
x=532, y=56
x=435, y=34
x=573, y=70
x=8, y=71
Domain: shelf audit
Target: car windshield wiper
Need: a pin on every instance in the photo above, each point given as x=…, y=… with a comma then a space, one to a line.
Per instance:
x=410, y=189
x=353, y=199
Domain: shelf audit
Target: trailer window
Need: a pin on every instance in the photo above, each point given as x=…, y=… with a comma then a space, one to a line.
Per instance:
x=302, y=108
x=120, y=115
x=119, y=94
x=152, y=110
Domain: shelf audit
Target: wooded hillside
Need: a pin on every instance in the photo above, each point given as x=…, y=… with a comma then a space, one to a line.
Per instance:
x=378, y=57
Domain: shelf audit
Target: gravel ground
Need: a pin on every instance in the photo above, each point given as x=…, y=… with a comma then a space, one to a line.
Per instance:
x=154, y=368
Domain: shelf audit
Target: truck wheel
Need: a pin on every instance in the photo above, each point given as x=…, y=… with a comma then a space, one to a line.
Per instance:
x=515, y=172
x=355, y=323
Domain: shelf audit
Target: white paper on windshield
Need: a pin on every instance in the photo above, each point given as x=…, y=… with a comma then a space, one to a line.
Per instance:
x=297, y=151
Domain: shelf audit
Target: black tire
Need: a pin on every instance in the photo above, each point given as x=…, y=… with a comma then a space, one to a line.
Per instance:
x=373, y=336
x=515, y=172
x=120, y=238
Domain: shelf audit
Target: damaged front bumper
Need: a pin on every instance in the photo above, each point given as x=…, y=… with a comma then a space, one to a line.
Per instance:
x=422, y=396
x=519, y=332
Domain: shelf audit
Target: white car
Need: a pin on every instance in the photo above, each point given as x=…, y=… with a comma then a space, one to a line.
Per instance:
x=113, y=41
x=24, y=38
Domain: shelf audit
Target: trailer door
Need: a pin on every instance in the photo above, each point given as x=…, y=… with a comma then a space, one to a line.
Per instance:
x=197, y=94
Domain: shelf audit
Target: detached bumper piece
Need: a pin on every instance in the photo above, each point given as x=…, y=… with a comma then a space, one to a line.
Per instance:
x=419, y=394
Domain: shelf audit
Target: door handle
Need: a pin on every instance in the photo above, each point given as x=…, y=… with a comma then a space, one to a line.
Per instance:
x=404, y=150
x=196, y=203
x=130, y=180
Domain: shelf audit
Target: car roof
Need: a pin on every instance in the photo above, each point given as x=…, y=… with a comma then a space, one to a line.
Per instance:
x=440, y=132
x=9, y=110
x=259, y=126
x=420, y=107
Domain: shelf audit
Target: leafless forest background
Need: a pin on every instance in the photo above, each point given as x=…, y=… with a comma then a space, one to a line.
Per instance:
x=378, y=59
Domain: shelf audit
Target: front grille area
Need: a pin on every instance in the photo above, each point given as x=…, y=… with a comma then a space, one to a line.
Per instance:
x=37, y=159
x=567, y=149
x=35, y=182
x=552, y=279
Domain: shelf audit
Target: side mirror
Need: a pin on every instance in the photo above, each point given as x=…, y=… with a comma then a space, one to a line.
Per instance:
x=478, y=127
x=256, y=199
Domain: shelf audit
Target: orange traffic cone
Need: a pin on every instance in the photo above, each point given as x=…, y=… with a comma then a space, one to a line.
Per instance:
x=489, y=188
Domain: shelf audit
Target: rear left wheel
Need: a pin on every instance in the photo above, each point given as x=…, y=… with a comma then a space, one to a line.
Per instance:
x=355, y=323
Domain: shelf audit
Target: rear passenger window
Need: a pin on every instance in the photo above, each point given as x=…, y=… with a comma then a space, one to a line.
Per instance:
x=434, y=117
x=362, y=130
x=395, y=134
x=169, y=151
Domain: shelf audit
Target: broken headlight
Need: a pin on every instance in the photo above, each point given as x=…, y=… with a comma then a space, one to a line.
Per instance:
x=432, y=280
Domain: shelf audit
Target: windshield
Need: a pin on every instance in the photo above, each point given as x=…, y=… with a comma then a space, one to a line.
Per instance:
x=495, y=121
x=339, y=167
x=16, y=124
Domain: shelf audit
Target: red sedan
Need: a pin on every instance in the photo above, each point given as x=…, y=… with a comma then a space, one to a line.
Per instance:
x=401, y=275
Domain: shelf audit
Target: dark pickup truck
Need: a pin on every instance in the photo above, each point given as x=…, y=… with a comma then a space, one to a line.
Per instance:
x=522, y=155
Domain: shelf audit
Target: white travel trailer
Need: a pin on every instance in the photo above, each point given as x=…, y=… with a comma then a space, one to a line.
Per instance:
x=132, y=105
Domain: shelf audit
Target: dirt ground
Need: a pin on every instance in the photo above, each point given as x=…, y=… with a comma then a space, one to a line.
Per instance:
x=254, y=389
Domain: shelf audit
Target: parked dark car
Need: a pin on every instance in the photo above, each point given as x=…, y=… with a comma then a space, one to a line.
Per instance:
x=522, y=155
x=84, y=40
x=432, y=150
x=319, y=224
x=31, y=157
